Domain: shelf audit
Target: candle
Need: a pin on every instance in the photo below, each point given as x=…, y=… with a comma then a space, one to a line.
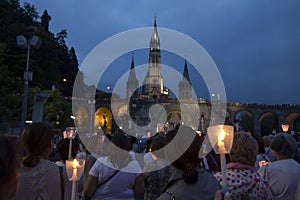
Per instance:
x=223, y=171
x=285, y=127
x=221, y=137
x=75, y=168
x=70, y=149
x=74, y=178
x=74, y=171
x=220, y=143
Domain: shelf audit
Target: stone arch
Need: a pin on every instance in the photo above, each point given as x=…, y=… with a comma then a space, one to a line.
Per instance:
x=269, y=123
x=174, y=116
x=228, y=119
x=244, y=120
x=103, y=118
x=290, y=119
x=296, y=125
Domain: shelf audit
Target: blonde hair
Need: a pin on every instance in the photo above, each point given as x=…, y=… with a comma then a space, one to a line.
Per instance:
x=244, y=149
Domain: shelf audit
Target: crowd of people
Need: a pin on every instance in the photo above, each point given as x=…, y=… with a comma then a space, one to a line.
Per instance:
x=34, y=167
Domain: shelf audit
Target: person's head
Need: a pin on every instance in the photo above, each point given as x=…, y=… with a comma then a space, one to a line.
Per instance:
x=118, y=150
x=284, y=146
x=186, y=142
x=38, y=142
x=157, y=143
x=267, y=139
x=10, y=163
x=63, y=148
x=260, y=144
x=244, y=149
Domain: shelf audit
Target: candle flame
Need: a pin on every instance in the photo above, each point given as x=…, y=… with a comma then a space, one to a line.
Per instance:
x=75, y=164
x=221, y=137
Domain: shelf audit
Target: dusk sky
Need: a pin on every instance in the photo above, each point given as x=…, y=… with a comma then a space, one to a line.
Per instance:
x=254, y=43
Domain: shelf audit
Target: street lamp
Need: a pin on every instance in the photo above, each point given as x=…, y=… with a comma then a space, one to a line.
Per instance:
x=92, y=102
x=23, y=43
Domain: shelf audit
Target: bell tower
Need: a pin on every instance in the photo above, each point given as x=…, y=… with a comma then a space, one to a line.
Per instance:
x=185, y=85
x=153, y=82
x=132, y=83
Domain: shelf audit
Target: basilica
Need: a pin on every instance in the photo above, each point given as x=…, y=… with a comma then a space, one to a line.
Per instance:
x=136, y=114
x=149, y=108
x=153, y=85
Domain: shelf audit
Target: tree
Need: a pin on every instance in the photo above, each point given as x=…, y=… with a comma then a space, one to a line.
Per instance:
x=31, y=11
x=57, y=110
x=45, y=63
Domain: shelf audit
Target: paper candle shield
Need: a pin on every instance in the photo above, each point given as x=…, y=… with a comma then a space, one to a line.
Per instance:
x=221, y=138
x=75, y=169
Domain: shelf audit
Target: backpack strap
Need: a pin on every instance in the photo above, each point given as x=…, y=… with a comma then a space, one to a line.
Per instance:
x=169, y=184
x=102, y=183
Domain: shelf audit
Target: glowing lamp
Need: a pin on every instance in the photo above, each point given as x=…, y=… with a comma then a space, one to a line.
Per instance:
x=75, y=169
x=221, y=138
x=285, y=127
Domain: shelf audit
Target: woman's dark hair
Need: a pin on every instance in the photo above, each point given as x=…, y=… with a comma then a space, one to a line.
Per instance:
x=188, y=143
x=157, y=143
x=284, y=144
x=10, y=161
x=118, y=150
x=37, y=138
x=63, y=148
x=10, y=156
x=261, y=148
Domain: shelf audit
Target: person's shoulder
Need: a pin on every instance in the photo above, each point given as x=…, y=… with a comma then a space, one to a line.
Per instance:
x=47, y=164
x=134, y=166
x=166, y=196
x=60, y=164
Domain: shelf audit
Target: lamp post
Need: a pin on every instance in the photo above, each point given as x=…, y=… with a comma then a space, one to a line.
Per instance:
x=92, y=102
x=24, y=43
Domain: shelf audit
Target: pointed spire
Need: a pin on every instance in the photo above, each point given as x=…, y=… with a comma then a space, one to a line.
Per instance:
x=132, y=83
x=132, y=61
x=154, y=42
x=132, y=75
x=186, y=73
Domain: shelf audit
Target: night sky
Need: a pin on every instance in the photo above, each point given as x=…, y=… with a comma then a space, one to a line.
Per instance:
x=254, y=43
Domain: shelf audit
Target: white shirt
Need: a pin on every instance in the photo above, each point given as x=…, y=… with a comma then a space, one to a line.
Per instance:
x=120, y=185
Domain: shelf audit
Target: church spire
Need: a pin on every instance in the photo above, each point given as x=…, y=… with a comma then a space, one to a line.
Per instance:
x=153, y=82
x=132, y=62
x=185, y=85
x=132, y=83
x=154, y=42
x=186, y=73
